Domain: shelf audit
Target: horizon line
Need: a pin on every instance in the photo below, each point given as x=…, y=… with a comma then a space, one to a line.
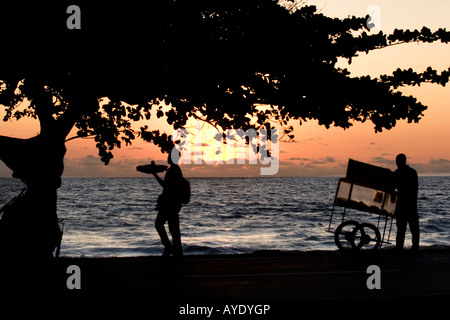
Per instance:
x=445, y=175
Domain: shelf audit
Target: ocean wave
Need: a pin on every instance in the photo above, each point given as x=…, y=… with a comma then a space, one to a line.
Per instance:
x=115, y=217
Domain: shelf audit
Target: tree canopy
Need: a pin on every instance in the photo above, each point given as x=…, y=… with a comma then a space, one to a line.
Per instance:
x=213, y=60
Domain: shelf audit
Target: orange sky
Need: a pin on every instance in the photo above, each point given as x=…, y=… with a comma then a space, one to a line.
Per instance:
x=316, y=150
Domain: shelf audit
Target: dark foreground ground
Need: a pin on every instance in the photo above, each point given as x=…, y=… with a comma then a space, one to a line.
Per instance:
x=326, y=281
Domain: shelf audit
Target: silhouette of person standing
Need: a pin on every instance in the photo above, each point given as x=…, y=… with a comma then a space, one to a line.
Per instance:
x=168, y=207
x=407, y=185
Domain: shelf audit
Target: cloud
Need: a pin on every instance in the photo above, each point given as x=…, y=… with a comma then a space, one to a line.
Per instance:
x=440, y=162
x=433, y=167
x=298, y=159
x=438, y=166
x=221, y=170
x=92, y=166
x=201, y=144
x=312, y=168
x=325, y=160
x=383, y=161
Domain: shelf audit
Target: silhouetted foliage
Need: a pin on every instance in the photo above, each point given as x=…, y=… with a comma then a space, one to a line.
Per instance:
x=213, y=60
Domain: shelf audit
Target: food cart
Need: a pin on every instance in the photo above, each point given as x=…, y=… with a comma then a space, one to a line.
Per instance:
x=366, y=189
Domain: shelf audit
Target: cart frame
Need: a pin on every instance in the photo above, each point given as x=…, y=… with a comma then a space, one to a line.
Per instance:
x=365, y=178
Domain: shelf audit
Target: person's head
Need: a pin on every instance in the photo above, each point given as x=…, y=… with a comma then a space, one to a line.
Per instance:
x=400, y=160
x=174, y=156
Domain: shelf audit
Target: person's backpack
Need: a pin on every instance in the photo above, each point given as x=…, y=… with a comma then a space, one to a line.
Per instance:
x=185, y=191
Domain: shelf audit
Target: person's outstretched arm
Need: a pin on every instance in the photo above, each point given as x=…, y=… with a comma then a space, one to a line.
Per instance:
x=161, y=181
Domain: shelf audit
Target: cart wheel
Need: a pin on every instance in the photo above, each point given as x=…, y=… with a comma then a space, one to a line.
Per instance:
x=369, y=236
x=345, y=235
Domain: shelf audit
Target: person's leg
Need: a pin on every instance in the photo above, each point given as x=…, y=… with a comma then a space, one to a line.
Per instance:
x=161, y=219
x=415, y=230
x=174, y=228
x=401, y=230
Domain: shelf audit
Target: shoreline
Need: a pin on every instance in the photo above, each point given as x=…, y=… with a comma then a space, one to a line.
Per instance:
x=279, y=252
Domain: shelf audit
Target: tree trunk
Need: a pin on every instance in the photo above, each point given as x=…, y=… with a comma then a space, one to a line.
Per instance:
x=28, y=224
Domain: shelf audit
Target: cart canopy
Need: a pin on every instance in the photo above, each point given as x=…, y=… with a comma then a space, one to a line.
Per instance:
x=370, y=175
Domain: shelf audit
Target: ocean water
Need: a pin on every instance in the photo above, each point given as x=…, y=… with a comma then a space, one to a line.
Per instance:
x=115, y=216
